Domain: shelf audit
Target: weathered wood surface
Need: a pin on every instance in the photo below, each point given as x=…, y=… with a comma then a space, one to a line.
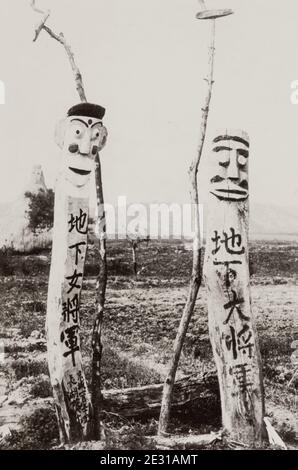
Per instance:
x=72, y=400
x=274, y=438
x=186, y=442
x=231, y=323
x=146, y=400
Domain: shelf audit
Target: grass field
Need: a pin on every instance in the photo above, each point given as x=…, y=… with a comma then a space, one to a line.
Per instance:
x=141, y=318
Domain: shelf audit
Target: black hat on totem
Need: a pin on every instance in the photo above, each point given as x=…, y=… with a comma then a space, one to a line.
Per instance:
x=87, y=109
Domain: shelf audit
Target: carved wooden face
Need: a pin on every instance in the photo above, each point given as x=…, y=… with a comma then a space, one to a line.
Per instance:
x=230, y=151
x=81, y=138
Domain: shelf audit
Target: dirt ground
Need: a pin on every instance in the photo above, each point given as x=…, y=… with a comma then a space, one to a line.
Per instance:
x=141, y=318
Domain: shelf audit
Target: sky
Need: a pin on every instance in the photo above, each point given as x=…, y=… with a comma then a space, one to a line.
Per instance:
x=145, y=62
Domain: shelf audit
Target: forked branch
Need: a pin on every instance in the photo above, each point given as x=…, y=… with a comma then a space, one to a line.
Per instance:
x=60, y=38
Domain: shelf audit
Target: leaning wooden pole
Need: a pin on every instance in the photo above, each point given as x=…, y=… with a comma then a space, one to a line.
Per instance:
x=101, y=285
x=196, y=275
x=226, y=271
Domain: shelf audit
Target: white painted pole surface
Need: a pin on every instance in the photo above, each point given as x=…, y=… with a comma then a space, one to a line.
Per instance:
x=226, y=271
x=72, y=400
x=81, y=137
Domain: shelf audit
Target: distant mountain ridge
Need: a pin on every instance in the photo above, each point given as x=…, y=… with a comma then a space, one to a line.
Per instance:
x=266, y=220
x=271, y=219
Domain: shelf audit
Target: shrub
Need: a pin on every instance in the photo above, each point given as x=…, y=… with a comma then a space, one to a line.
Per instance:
x=35, y=306
x=42, y=388
x=30, y=324
x=39, y=431
x=132, y=436
x=6, y=266
x=25, y=368
x=41, y=210
x=120, y=372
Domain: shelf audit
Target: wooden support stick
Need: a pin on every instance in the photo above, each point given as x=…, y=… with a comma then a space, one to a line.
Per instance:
x=100, y=232
x=196, y=276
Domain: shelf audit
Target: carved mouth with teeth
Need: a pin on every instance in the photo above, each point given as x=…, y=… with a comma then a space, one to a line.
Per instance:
x=79, y=172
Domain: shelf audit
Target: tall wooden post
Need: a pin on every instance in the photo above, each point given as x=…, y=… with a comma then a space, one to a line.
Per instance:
x=81, y=136
x=226, y=271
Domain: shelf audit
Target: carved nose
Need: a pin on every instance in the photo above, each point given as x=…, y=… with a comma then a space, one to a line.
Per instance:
x=233, y=169
x=85, y=147
x=234, y=179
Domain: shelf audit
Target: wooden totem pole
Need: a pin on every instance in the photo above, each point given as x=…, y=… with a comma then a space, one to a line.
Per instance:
x=80, y=136
x=226, y=271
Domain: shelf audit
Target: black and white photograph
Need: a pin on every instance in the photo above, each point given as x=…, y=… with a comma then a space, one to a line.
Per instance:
x=149, y=228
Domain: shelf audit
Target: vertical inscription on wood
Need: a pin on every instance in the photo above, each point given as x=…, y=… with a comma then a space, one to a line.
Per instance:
x=74, y=381
x=80, y=136
x=226, y=271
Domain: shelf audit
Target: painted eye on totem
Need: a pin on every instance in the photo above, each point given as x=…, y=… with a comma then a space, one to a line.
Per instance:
x=242, y=157
x=77, y=131
x=96, y=133
x=242, y=160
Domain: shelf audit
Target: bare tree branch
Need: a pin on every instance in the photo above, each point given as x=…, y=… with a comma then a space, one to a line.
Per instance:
x=135, y=239
x=41, y=25
x=60, y=38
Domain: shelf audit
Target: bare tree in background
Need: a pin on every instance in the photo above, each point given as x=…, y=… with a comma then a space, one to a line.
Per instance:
x=135, y=239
